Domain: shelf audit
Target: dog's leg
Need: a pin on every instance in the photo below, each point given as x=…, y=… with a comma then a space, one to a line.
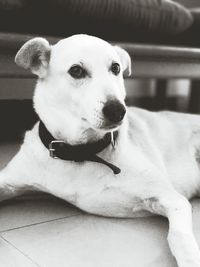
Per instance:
x=180, y=237
x=15, y=177
x=9, y=185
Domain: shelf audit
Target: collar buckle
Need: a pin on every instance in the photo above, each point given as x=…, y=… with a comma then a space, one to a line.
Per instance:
x=52, y=148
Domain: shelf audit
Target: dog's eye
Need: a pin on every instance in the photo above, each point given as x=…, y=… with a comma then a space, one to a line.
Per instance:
x=115, y=68
x=77, y=72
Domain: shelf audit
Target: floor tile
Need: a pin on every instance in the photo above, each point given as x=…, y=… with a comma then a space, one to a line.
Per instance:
x=33, y=209
x=88, y=241
x=11, y=257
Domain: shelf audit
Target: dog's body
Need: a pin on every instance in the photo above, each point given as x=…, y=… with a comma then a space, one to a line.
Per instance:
x=158, y=153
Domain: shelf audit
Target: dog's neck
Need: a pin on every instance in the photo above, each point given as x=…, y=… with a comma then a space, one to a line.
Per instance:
x=74, y=135
x=81, y=152
x=80, y=136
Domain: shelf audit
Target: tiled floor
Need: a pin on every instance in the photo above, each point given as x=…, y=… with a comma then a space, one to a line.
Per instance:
x=47, y=232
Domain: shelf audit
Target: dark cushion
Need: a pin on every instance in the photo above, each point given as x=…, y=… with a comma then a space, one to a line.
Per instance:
x=109, y=19
x=196, y=15
x=189, y=3
x=191, y=37
x=194, y=31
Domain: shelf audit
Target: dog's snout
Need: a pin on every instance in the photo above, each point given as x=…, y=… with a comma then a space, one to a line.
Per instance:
x=114, y=111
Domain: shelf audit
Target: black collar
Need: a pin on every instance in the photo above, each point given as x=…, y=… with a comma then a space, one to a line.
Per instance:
x=85, y=152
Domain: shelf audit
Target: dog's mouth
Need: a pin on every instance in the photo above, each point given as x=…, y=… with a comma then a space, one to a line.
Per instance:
x=111, y=126
x=104, y=125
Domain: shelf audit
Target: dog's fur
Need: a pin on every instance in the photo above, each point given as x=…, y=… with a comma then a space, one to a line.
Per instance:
x=158, y=153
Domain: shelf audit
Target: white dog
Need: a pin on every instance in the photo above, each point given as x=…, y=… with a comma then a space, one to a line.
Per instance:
x=92, y=151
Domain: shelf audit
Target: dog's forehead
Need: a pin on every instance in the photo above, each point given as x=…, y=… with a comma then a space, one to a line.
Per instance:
x=83, y=48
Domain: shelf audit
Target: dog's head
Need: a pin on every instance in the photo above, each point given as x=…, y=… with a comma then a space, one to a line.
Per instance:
x=80, y=79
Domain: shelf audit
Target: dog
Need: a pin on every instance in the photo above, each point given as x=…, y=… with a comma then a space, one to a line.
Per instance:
x=91, y=150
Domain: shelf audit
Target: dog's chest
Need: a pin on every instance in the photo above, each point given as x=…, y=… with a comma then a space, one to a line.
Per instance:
x=94, y=187
x=79, y=178
x=91, y=186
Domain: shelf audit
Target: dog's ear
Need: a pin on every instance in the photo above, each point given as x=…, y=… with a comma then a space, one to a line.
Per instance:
x=125, y=60
x=35, y=55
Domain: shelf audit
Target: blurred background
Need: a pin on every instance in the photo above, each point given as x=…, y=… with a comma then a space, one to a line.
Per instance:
x=154, y=31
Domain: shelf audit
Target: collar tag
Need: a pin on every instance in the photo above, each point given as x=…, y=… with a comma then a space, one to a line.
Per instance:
x=113, y=143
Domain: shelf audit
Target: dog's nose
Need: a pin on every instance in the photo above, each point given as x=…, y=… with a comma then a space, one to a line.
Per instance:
x=114, y=111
